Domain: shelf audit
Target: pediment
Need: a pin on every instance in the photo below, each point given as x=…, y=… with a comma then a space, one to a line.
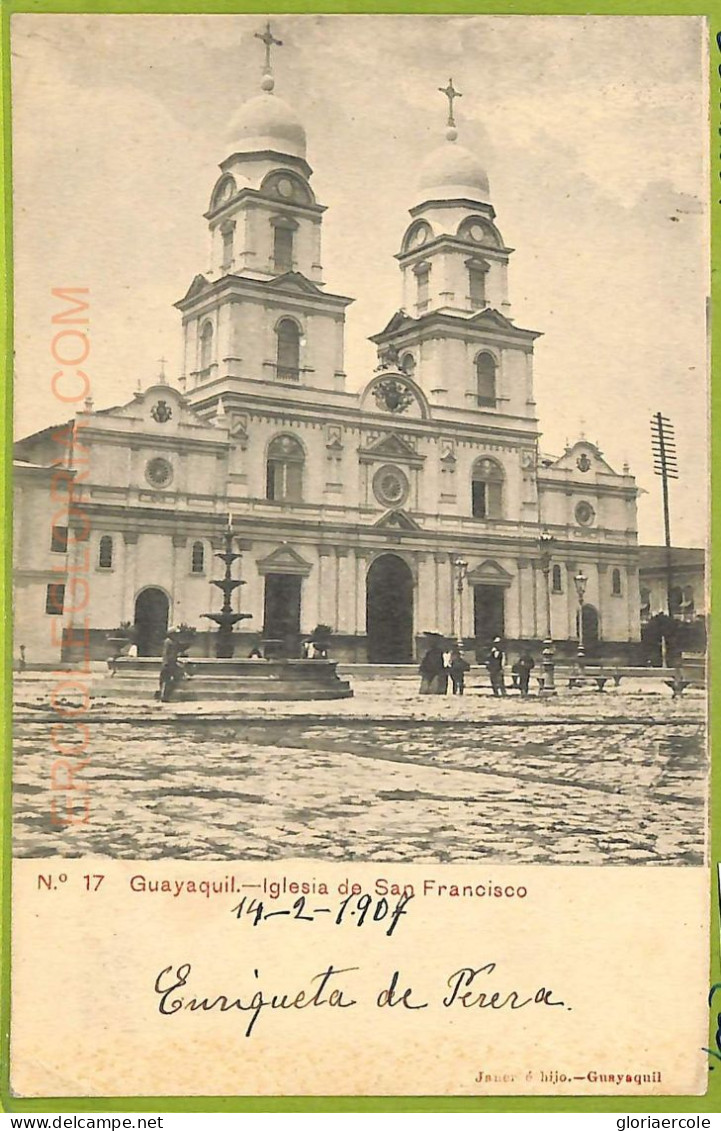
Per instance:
x=294, y=281
x=396, y=520
x=583, y=458
x=197, y=287
x=284, y=559
x=161, y=407
x=399, y=319
x=489, y=573
x=391, y=446
x=492, y=317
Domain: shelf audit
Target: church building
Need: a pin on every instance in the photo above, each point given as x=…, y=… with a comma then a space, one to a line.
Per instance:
x=417, y=502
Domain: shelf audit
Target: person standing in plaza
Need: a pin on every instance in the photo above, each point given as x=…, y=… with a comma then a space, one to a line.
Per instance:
x=434, y=676
x=458, y=668
x=495, y=664
x=523, y=666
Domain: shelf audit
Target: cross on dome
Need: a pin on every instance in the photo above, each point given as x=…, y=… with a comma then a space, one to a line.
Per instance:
x=451, y=93
x=268, y=39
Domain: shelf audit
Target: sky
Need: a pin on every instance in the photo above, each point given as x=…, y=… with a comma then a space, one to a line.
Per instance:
x=593, y=131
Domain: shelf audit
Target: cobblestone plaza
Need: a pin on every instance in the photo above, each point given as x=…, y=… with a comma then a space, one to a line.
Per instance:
x=587, y=778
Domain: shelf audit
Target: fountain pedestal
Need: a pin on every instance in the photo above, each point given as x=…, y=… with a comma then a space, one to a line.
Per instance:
x=229, y=680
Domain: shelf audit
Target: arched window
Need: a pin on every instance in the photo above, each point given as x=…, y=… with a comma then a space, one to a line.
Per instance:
x=284, y=470
x=477, y=285
x=408, y=364
x=423, y=282
x=556, y=586
x=226, y=233
x=288, y=352
x=197, y=558
x=616, y=583
x=282, y=248
x=487, y=489
x=206, y=345
x=486, y=380
x=105, y=552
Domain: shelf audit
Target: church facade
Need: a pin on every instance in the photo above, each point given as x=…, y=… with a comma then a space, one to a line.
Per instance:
x=415, y=504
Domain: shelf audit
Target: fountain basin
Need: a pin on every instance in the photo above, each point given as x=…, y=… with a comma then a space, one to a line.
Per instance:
x=229, y=679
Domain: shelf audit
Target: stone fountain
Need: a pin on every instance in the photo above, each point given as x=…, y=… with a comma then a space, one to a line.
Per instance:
x=224, y=677
x=226, y=619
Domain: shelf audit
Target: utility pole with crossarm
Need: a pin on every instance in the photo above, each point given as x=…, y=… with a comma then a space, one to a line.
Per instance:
x=663, y=444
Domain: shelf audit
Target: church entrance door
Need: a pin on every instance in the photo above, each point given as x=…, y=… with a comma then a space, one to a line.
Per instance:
x=281, y=613
x=389, y=611
x=152, y=609
x=590, y=629
x=488, y=614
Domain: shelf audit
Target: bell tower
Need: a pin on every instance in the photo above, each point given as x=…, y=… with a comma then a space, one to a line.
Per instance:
x=454, y=332
x=259, y=310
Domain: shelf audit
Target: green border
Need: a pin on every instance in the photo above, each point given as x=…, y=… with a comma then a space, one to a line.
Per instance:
x=709, y=1103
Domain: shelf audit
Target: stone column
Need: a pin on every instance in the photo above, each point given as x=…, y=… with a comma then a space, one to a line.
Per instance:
x=179, y=554
x=523, y=598
x=633, y=602
x=361, y=570
x=343, y=590
x=571, y=601
x=603, y=596
x=438, y=562
x=327, y=587
x=129, y=567
x=538, y=632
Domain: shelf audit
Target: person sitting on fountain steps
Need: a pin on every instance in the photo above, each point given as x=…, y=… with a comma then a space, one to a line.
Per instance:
x=171, y=670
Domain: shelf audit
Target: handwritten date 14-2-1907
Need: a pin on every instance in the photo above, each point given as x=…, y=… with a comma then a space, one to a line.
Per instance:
x=354, y=909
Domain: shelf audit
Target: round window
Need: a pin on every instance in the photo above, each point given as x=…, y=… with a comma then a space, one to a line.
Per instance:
x=285, y=187
x=390, y=486
x=420, y=236
x=477, y=232
x=159, y=472
x=585, y=514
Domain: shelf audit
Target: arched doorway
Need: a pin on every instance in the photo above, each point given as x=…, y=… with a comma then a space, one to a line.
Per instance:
x=151, y=621
x=590, y=628
x=389, y=611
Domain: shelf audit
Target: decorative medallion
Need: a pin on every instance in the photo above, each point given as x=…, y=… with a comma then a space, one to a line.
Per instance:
x=390, y=486
x=159, y=472
x=583, y=463
x=420, y=236
x=585, y=514
x=285, y=187
x=393, y=395
x=477, y=232
x=161, y=412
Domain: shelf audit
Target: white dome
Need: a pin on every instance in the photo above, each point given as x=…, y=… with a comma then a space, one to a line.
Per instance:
x=267, y=122
x=452, y=171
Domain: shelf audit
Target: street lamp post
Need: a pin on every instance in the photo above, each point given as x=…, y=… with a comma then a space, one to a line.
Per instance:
x=580, y=581
x=546, y=542
x=461, y=568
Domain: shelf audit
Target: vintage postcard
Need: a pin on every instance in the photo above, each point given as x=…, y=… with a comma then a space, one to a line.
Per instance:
x=360, y=559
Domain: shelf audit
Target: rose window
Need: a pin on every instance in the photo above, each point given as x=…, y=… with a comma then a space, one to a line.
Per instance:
x=159, y=472
x=390, y=486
